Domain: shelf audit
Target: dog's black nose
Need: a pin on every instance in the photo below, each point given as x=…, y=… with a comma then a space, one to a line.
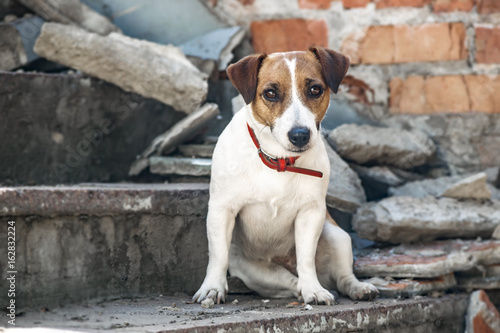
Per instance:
x=299, y=136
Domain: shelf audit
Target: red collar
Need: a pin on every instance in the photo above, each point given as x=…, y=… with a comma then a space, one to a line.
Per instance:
x=281, y=164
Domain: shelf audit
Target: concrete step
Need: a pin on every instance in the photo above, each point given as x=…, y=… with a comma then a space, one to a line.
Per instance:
x=69, y=128
x=253, y=314
x=75, y=243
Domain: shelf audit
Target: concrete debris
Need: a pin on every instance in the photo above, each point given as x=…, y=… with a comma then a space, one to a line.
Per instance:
x=412, y=287
x=496, y=233
x=72, y=12
x=177, y=134
x=207, y=303
x=192, y=150
x=406, y=219
x=157, y=71
x=17, y=39
x=473, y=187
x=427, y=260
x=482, y=315
x=477, y=189
x=345, y=192
x=215, y=45
x=474, y=283
x=384, y=146
x=377, y=180
x=485, y=277
x=183, y=166
x=237, y=103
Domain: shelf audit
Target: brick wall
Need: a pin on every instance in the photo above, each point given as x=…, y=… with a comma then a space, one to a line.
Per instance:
x=417, y=56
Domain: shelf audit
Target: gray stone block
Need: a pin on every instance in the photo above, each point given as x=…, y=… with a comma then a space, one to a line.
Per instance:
x=383, y=146
x=406, y=219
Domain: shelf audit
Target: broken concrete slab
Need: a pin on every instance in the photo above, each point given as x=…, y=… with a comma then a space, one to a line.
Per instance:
x=406, y=219
x=216, y=45
x=182, y=166
x=485, y=277
x=158, y=71
x=438, y=186
x=76, y=128
x=177, y=134
x=412, y=287
x=345, y=192
x=377, y=180
x=482, y=315
x=244, y=313
x=496, y=233
x=71, y=12
x=17, y=39
x=383, y=146
x=473, y=187
x=427, y=260
x=194, y=150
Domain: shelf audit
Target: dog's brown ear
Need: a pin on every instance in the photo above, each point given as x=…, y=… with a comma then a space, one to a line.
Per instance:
x=335, y=66
x=243, y=75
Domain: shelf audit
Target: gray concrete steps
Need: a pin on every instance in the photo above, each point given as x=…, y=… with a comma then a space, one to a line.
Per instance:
x=251, y=314
x=87, y=255
x=75, y=243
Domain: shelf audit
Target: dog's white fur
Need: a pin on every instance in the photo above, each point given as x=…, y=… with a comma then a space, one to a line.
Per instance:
x=256, y=214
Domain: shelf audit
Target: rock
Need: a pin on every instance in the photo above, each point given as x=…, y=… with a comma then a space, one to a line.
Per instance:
x=412, y=287
x=496, y=233
x=377, y=180
x=215, y=45
x=177, y=134
x=207, y=303
x=345, y=192
x=406, y=219
x=427, y=260
x=158, y=71
x=482, y=316
x=237, y=103
x=183, y=166
x=473, y=187
x=16, y=42
x=384, y=146
x=465, y=143
x=193, y=150
x=71, y=12
x=469, y=186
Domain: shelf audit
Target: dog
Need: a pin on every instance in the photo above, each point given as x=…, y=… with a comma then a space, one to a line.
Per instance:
x=267, y=220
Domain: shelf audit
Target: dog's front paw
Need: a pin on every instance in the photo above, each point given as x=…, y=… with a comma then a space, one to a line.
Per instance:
x=318, y=295
x=363, y=291
x=216, y=291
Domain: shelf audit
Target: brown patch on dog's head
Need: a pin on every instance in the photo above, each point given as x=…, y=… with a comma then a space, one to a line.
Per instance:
x=265, y=81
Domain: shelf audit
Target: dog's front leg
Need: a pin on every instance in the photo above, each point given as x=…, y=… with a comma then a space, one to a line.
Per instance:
x=308, y=227
x=220, y=224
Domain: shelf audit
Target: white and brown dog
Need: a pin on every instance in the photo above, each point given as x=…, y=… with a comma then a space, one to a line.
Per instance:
x=269, y=228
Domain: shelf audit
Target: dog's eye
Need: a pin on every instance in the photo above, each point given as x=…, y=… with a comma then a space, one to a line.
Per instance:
x=271, y=95
x=315, y=91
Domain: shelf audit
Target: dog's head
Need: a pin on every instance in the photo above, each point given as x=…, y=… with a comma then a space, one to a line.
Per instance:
x=290, y=92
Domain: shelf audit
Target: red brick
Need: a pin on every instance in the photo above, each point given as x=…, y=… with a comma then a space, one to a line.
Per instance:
x=488, y=45
x=404, y=43
x=443, y=94
x=288, y=35
x=355, y=3
x=488, y=6
x=482, y=316
x=452, y=5
x=314, y=4
x=401, y=3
